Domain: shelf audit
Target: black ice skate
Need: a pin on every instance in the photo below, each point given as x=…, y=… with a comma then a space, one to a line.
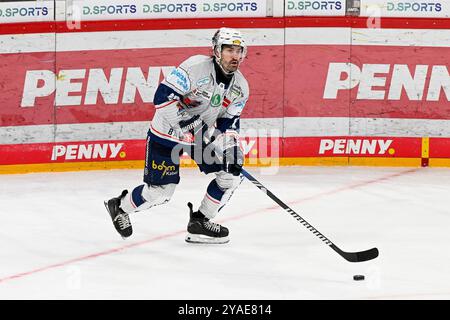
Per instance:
x=201, y=230
x=120, y=218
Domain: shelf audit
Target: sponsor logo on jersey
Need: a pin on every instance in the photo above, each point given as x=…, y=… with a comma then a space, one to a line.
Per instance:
x=87, y=151
x=388, y=82
x=190, y=124
x=167, y=170
x=202, y=93
x=355, y=146
x=179, y=78
x=235, y=91
x=241, y=104
x=203, y=81
x=206, y=94
x=216, y=100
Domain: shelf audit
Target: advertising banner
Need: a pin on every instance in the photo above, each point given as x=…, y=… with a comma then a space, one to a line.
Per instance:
x=382, y=76
x=317, y=94
x=87, y=88
x=154, y=9
x=405, y=8
x=314, y=8
x=257, y=150
x=26, y=11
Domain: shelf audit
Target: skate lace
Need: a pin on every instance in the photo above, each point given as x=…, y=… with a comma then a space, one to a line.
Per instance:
x=124, y=221
x=214, y=227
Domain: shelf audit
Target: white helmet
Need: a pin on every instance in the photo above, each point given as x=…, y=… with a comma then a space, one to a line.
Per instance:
x=228, y=36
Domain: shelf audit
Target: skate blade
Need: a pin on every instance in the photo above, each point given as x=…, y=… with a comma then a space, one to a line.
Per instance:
x=198, y=238
x=106, y=206
x=107, y=209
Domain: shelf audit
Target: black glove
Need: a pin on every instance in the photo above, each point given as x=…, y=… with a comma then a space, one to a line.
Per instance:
x=233, y=160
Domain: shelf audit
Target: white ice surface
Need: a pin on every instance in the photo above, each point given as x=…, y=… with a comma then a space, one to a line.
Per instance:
x=58, y=242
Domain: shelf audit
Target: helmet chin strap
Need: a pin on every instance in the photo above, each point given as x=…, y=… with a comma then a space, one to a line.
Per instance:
x=228, y=73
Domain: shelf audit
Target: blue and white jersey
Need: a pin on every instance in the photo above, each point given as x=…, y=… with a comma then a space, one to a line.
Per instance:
x=191, y=96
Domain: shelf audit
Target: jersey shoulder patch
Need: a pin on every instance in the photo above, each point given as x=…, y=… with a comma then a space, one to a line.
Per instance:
x=179, y=79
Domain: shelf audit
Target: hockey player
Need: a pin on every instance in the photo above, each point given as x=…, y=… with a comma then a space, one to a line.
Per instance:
x=198, y=107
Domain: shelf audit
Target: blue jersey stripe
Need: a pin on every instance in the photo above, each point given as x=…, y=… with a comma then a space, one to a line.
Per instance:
x=163, y=93
x=136, y=195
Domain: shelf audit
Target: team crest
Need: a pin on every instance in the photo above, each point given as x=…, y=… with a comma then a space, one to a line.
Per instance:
x=216, y=100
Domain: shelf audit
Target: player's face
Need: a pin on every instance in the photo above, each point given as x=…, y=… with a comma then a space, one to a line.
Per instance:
x=231, y=57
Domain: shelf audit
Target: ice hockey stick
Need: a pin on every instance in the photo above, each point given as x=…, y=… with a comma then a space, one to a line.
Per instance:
x=349, y=256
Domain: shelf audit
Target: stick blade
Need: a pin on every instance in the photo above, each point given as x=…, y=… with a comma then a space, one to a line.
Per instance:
x=368, y=254
x=360, y=256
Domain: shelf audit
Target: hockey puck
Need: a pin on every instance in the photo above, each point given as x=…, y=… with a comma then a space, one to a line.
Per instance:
x=358, y=277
